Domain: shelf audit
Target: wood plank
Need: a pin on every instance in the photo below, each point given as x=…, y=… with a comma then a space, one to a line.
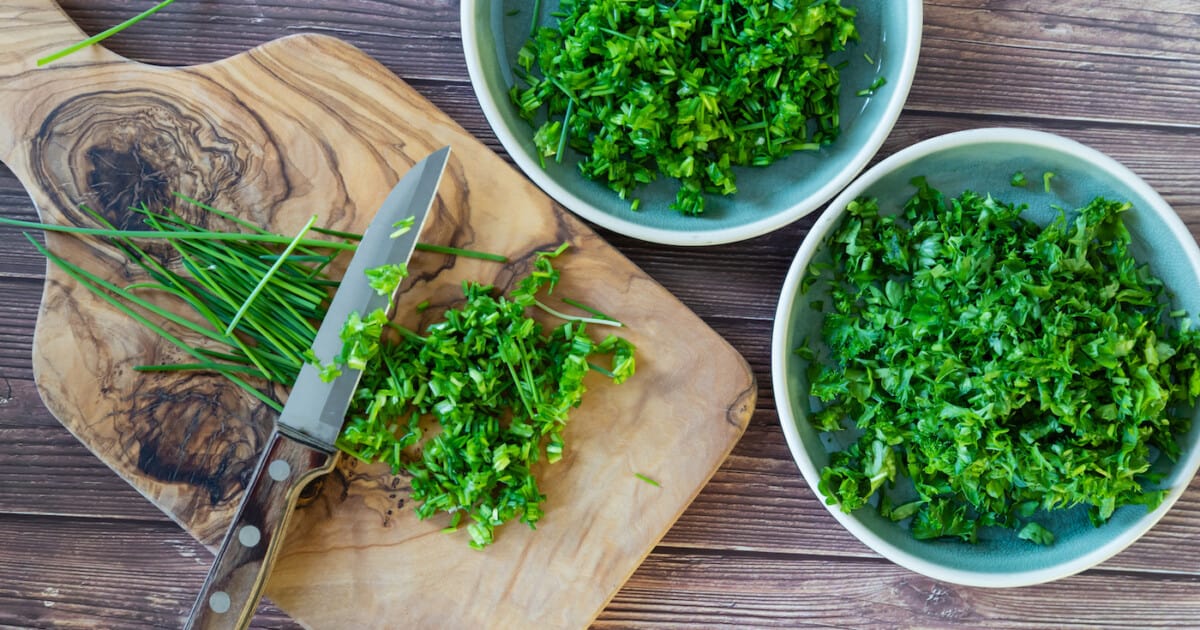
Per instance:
x=753, y=591
x=1162, y=29
x=60, y=573
x=980, y=78
x=46, y=471
x=416, y=36
x=21, y=260
x=1062, y=60
x=18, y=314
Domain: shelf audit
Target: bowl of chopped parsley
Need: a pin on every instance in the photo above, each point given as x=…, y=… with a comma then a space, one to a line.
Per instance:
x=694, y=122
x=986, y=359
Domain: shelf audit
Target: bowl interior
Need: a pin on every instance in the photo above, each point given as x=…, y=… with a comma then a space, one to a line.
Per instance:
x=1159, y=239
x=767, y=198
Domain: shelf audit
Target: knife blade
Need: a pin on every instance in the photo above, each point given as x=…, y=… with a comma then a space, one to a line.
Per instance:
x=301, y=445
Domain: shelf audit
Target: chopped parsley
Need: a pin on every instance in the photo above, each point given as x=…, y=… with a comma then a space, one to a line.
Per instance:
x=995, y=368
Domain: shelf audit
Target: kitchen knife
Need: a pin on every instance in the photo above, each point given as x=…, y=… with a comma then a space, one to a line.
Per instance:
x=301, y=446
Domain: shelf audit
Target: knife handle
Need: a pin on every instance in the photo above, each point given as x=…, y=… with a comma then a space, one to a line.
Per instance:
x=235, y=583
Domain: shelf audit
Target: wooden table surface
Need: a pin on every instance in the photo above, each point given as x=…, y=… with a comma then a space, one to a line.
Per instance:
x=80, y=548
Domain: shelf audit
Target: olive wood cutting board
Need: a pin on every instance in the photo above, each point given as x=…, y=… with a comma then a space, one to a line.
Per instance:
x=309, y=124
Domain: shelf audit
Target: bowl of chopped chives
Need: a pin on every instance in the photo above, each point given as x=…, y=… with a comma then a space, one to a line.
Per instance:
x=986, y=359
x=694, y=122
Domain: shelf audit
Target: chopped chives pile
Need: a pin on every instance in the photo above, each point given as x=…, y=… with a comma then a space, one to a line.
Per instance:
x=689, y=89
x=499, y=387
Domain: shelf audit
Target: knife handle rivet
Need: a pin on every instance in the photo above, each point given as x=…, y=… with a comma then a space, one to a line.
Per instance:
x=249, y=536
x=279, y=470
x=219, y=602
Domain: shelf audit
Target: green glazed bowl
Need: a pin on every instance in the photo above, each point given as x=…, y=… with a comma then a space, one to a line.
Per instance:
x=983, y=160
x=768, y=198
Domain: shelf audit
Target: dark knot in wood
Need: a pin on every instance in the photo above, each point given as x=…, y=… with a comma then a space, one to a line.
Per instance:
x=116, y=150
x=197, y=430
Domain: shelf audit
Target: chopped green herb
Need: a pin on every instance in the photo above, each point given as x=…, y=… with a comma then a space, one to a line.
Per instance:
x=463, y=253
x=1018, y=180
x=993, y=367
x=1034, y=532
x=804, y=351
x=403, y=226
x=385, y=278
x=689, y=89
x=584, y=307
x=497, y=389
x=1046, y=177
x=562, y=135
x=360, y=337
x=422, y=306
x=537, y=12
x=875, y=85
x=647, y=480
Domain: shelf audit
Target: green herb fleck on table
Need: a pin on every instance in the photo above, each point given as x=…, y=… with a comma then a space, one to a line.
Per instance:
x=994, y=368
x=688, y=89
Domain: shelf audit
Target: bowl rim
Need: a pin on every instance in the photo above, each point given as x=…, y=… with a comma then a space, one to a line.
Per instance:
x=699, y=237
x=790, y=293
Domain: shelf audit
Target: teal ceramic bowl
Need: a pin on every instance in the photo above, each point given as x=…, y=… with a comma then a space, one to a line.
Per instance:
x=983, y=160
x=767, y=198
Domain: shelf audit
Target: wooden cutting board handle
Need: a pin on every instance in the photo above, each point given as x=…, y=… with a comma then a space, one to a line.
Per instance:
x=35, y=28
x=30, y=30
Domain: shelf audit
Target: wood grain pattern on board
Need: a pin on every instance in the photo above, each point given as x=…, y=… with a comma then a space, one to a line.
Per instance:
x=308, y=125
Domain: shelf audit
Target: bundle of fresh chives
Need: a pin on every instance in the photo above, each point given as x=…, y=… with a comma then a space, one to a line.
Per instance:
x=258, y=296
x=258, y=300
